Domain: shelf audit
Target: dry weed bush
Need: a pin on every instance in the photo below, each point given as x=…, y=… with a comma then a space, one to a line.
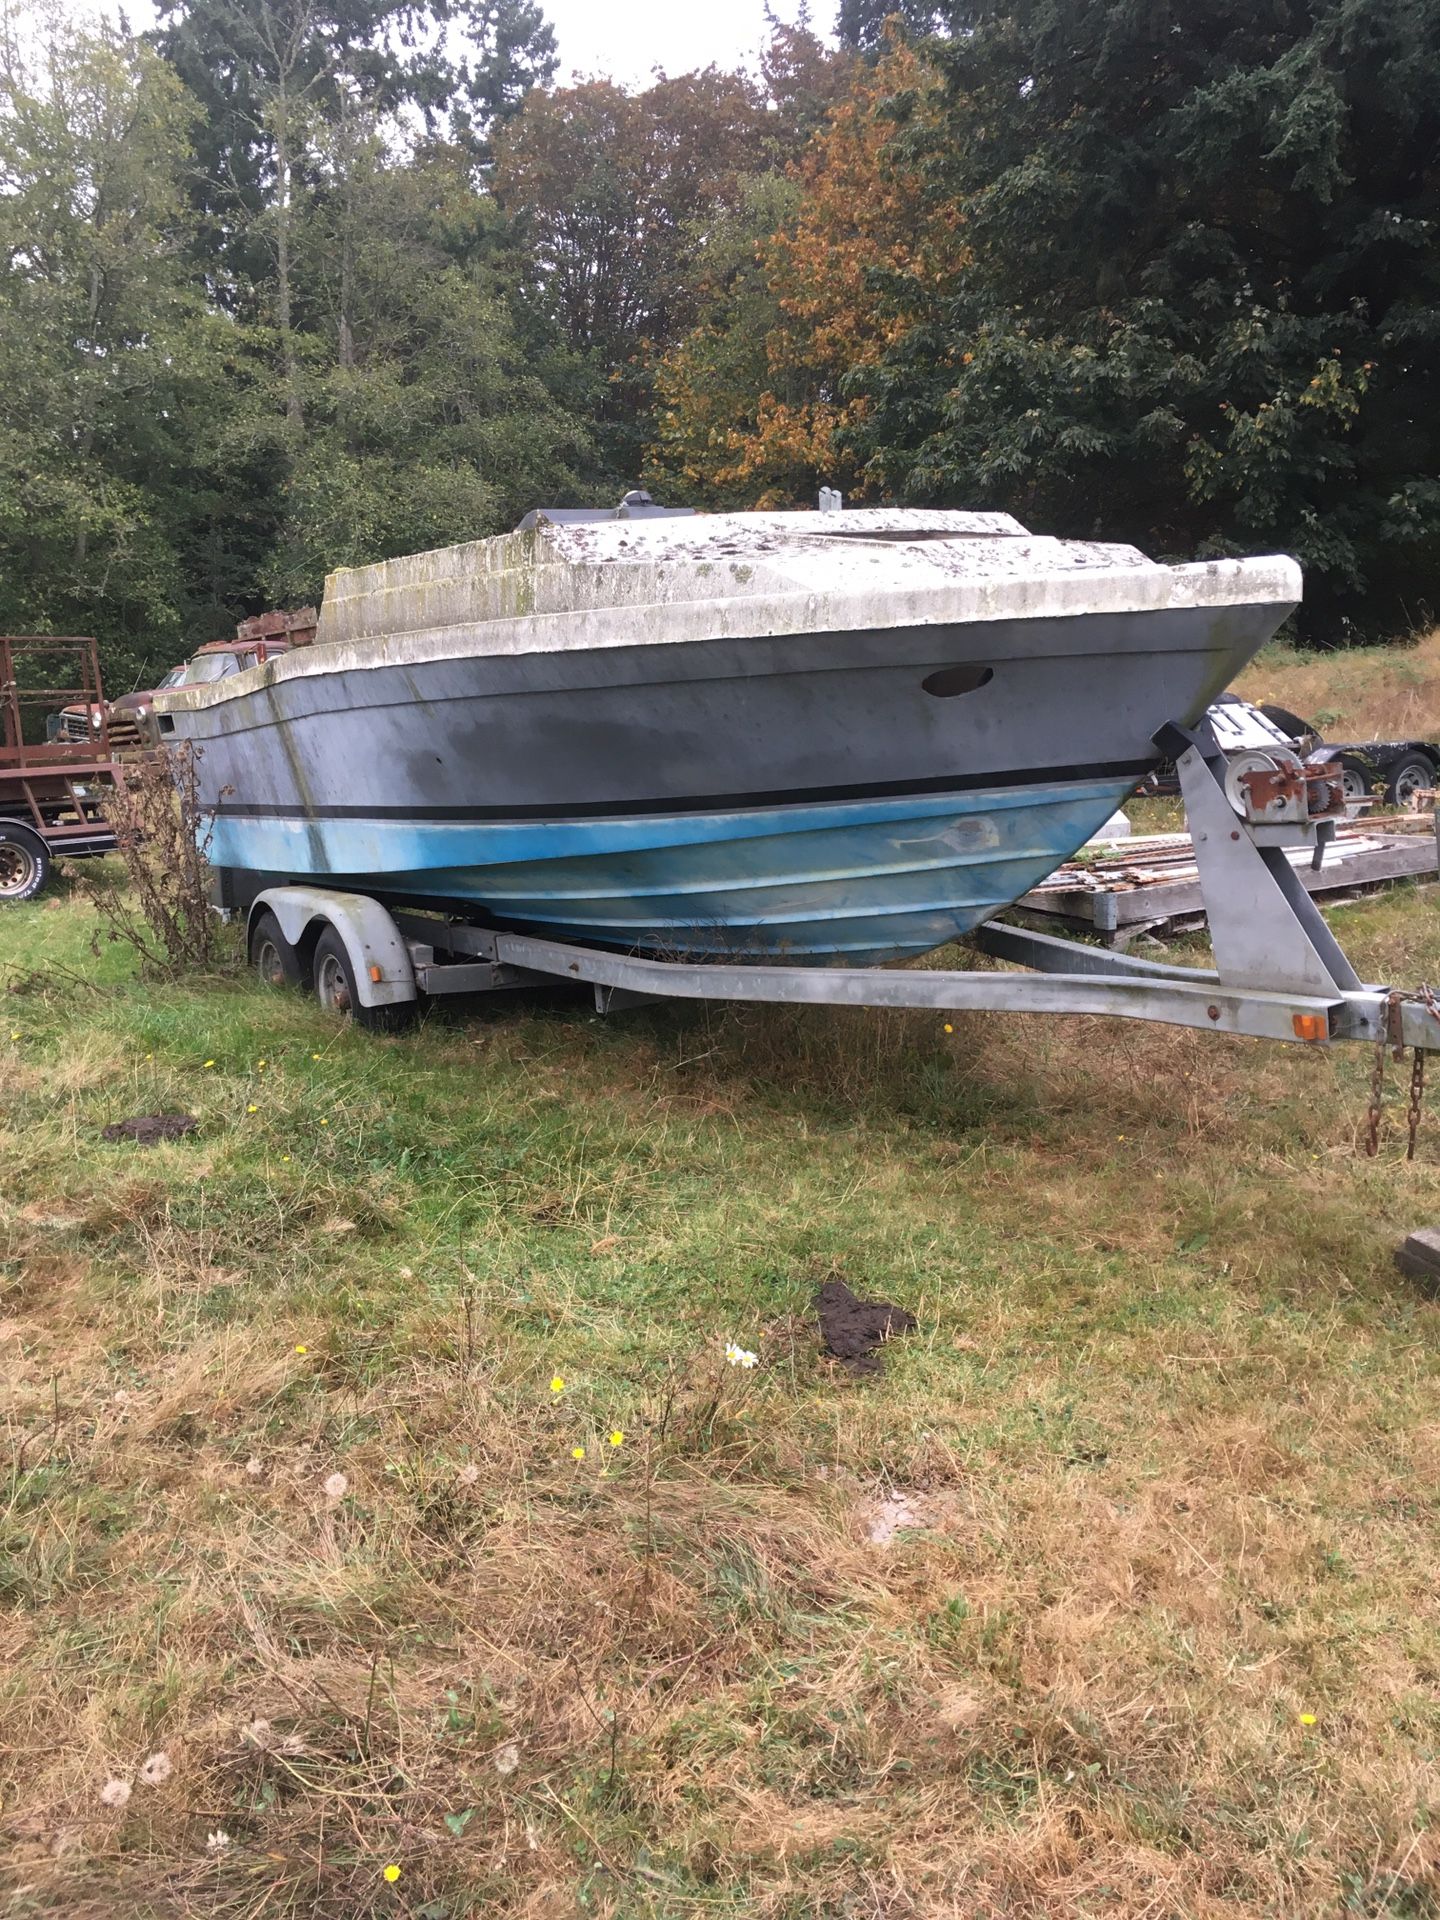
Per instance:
x=162, y=907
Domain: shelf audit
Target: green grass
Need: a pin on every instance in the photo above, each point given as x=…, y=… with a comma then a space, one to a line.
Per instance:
x=1166, y=1436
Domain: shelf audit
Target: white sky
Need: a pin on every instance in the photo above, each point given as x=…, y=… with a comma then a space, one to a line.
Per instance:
x=624, y=39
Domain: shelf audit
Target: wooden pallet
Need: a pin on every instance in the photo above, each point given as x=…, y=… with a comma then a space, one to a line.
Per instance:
x=1151, y=882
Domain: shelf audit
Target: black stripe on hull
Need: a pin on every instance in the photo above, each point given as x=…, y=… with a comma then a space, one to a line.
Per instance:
x=691, y=803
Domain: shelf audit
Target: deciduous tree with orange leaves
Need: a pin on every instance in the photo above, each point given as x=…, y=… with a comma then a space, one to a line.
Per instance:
x=752, y=403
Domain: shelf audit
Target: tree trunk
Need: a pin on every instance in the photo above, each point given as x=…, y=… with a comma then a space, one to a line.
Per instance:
x=347, y=233
x=294, y=412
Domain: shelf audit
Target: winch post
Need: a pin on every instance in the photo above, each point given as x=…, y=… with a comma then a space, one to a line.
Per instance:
x=1265, y=930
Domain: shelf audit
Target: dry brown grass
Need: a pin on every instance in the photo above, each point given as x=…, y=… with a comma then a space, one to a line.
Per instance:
x=1167, y=1431
x=1363, y=693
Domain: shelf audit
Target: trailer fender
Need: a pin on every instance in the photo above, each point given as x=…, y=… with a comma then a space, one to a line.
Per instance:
x=371, y=938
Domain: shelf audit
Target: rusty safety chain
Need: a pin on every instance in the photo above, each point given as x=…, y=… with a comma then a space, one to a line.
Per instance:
x=1390, y=1038
x=1417, y=1095
x=1377, y=1082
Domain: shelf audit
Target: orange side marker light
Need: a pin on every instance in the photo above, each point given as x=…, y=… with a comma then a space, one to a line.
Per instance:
x=377, y=974
x=1310, y=1026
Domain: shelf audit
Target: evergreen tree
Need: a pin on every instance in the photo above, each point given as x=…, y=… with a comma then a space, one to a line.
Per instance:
x=861, y=24
x=1200, y=306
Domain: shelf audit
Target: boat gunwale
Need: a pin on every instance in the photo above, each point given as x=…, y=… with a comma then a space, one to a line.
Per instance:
x=1267, y=580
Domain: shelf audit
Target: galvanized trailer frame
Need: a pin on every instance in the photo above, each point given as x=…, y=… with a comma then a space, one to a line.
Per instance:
x=1279, y=972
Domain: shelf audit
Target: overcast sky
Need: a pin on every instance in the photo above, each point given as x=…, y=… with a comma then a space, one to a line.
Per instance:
x=625, y=39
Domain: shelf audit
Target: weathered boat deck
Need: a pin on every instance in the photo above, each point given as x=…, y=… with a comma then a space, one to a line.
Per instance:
x=1121, y=889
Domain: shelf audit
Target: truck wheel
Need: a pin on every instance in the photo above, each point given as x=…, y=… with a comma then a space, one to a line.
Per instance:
x=272, y=956
x=24, y=862
x=1408, y=781
x=335, y=988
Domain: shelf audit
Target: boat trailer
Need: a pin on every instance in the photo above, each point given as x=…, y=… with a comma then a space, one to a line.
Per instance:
x=1279, y=972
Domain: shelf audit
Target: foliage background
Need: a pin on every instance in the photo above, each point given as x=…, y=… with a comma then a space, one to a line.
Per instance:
x=291, y=284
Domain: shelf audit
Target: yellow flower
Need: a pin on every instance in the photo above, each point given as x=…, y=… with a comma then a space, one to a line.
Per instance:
x=948, y=1027
x=284, y=1156
x=617, y=1438
x=557, y=1385
x=302, y=1349
x=324, y=1123
x=1307, y=1719
x=577, y=1453
x=209, y=1063
x=392, y=1873
x=252, y=1108
x=259, y=1063
x=314, y=1056
x=15, y=1036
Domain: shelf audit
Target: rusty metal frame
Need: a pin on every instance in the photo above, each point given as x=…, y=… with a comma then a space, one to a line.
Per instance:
x=43, y=784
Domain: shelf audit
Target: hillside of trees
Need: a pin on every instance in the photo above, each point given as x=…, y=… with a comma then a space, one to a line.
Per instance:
x=291, y=284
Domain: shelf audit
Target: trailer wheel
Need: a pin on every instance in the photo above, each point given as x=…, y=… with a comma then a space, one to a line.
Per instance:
x=272, y=956
x=1360, y=785
x=1408, y=781
x=336, y=989
x=24, y=862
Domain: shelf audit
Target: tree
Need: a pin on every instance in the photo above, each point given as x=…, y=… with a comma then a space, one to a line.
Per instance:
x=861, y=25
x=802, y=79
x=1201, y=306
x=279, y=80
x=106, y=357
x=754, y=408
x=710, y=385
x=434, y=427
x=614, y=192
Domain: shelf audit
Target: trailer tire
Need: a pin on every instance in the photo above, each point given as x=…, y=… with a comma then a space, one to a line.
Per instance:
x=24, y=863
x=272, y=956
x=1412, y=777
x=1359, y=785
x=335, y=988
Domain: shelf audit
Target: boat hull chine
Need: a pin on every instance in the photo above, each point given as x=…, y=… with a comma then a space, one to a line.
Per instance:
x=852, y=882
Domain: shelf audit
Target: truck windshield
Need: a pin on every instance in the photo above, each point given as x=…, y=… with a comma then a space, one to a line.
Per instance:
x=208, y=666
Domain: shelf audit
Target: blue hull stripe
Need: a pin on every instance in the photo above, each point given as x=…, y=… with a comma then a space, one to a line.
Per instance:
x=859, y=880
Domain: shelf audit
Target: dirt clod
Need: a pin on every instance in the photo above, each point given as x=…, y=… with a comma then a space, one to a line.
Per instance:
x=854, y=1329
x=149, y=1129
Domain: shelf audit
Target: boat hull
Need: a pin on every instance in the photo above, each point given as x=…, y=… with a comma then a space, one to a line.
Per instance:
x=838, y=882
x=803, y=796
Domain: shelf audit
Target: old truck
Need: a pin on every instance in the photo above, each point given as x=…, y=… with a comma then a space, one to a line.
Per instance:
x=52, y=791
x=127, y=717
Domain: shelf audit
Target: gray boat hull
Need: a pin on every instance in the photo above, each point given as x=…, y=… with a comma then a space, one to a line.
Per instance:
x=821, y=796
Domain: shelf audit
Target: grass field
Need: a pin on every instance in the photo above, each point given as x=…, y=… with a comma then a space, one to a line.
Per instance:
x=1368, y=693
x=1114, y=1596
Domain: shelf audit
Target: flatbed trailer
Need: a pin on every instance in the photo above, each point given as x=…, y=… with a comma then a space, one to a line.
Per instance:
x=1151, y=883
x=1279, y=974
x=52, y=792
